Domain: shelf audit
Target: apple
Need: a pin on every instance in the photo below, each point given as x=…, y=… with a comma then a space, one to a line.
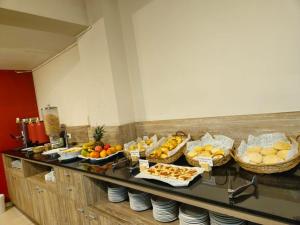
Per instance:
x=107, y=146
x=98, y=148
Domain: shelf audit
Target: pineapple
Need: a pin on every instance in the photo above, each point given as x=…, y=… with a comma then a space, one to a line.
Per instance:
x=98, y=135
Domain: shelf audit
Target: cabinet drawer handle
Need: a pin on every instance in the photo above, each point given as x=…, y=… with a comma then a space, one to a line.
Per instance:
x=69, y=189
x=80, y=210
x=67, y=175
x=92, y=217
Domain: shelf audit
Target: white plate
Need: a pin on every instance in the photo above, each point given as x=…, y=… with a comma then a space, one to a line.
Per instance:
x=26, y=149
x=53, y=151
x=98, y=159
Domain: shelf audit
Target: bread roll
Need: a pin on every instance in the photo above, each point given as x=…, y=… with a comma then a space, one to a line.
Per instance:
x=256, y=149
x=255, y=157
x=271, y=159
x=268, y=151
x=282, y=154
x=282, y=145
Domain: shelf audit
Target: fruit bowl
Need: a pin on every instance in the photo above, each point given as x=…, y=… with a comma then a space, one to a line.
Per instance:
x=100, y=153
x=94, y=160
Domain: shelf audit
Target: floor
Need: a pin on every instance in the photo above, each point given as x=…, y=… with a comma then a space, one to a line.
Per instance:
x=13, y=216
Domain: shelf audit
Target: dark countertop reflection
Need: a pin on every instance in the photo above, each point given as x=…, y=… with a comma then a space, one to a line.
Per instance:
x=277, y=196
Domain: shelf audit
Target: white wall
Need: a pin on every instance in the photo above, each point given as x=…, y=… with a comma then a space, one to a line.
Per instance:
x=213, y=57
x=80, y=82
x=178, y=59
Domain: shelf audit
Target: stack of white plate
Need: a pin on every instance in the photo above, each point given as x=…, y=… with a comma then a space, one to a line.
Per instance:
x=221, y=219
x=117, y=193
x=164, y=210
x=193, y=215
x=139, y=201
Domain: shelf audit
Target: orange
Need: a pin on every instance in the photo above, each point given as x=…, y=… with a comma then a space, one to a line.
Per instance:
x=94, y=154
x=112, y=150
x=109, y=151
x=118, y=148
x=103, y=154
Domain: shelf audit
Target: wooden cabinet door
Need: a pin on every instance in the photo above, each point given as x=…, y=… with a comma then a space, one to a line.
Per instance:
x=50, y=207
x=35, y=201
x=10, y=185
x=72, y=212
x=23, y=196
x=91, y=218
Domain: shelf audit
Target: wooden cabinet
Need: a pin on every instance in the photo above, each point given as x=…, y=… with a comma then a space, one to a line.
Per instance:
x=46, y=208
x=72, y=212
x=22, y=195
x=19, y=192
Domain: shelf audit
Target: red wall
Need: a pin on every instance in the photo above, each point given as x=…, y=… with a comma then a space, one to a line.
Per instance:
x=17, y=99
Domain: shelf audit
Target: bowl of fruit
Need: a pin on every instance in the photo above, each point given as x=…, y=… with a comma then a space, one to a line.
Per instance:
x=99, y=153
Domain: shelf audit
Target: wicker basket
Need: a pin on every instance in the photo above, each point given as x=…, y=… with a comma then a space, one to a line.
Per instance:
x=217, y=162
x=172, y=158
x=267, y=168
x=128, y=155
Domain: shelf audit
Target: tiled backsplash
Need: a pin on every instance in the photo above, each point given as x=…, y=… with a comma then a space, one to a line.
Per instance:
x=237, y=127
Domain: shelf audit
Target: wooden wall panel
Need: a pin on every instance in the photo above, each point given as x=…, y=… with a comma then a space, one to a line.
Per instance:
x=237, y=127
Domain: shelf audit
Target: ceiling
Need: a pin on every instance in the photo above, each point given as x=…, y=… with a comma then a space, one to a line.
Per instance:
x=26, y=40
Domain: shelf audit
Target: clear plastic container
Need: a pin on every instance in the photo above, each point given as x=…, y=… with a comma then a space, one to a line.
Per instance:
x=51, y=121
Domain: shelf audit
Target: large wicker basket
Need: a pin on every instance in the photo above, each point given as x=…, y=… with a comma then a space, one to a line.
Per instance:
x=172, y=158
x=216, y=162
x=267, y=168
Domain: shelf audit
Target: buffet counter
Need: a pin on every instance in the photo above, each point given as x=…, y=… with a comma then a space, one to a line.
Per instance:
x=275, y=200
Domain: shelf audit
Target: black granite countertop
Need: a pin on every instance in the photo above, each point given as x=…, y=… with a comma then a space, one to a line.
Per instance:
x=277, y=196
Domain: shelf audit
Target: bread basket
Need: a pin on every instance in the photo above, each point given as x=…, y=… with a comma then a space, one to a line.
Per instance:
x=216, y=161
x=127, y=153
x=270, y=168
x=174, y=157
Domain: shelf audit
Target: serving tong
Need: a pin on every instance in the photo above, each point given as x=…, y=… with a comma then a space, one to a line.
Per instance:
x=232, y=193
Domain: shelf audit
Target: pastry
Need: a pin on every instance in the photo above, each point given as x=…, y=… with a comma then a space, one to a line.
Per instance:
x=205, y=154
x=217, y=151
x=169, y=144
x=255, y=157
x=268, y=151
x=215, y=157
x=192, y=154
x=282, y=154
x=208, y=147
x=282, y=145
x=172, y=172
x=256, y=149
x=199, y=149
x=271, y=159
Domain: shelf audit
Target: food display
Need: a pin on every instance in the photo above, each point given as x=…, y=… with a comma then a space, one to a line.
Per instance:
x=69, y=153
x=38, y=149
x=168, y=149
x=213, y=149
x=140, y=145
x=268, y=153
x=98, y=153
x=171, y=174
